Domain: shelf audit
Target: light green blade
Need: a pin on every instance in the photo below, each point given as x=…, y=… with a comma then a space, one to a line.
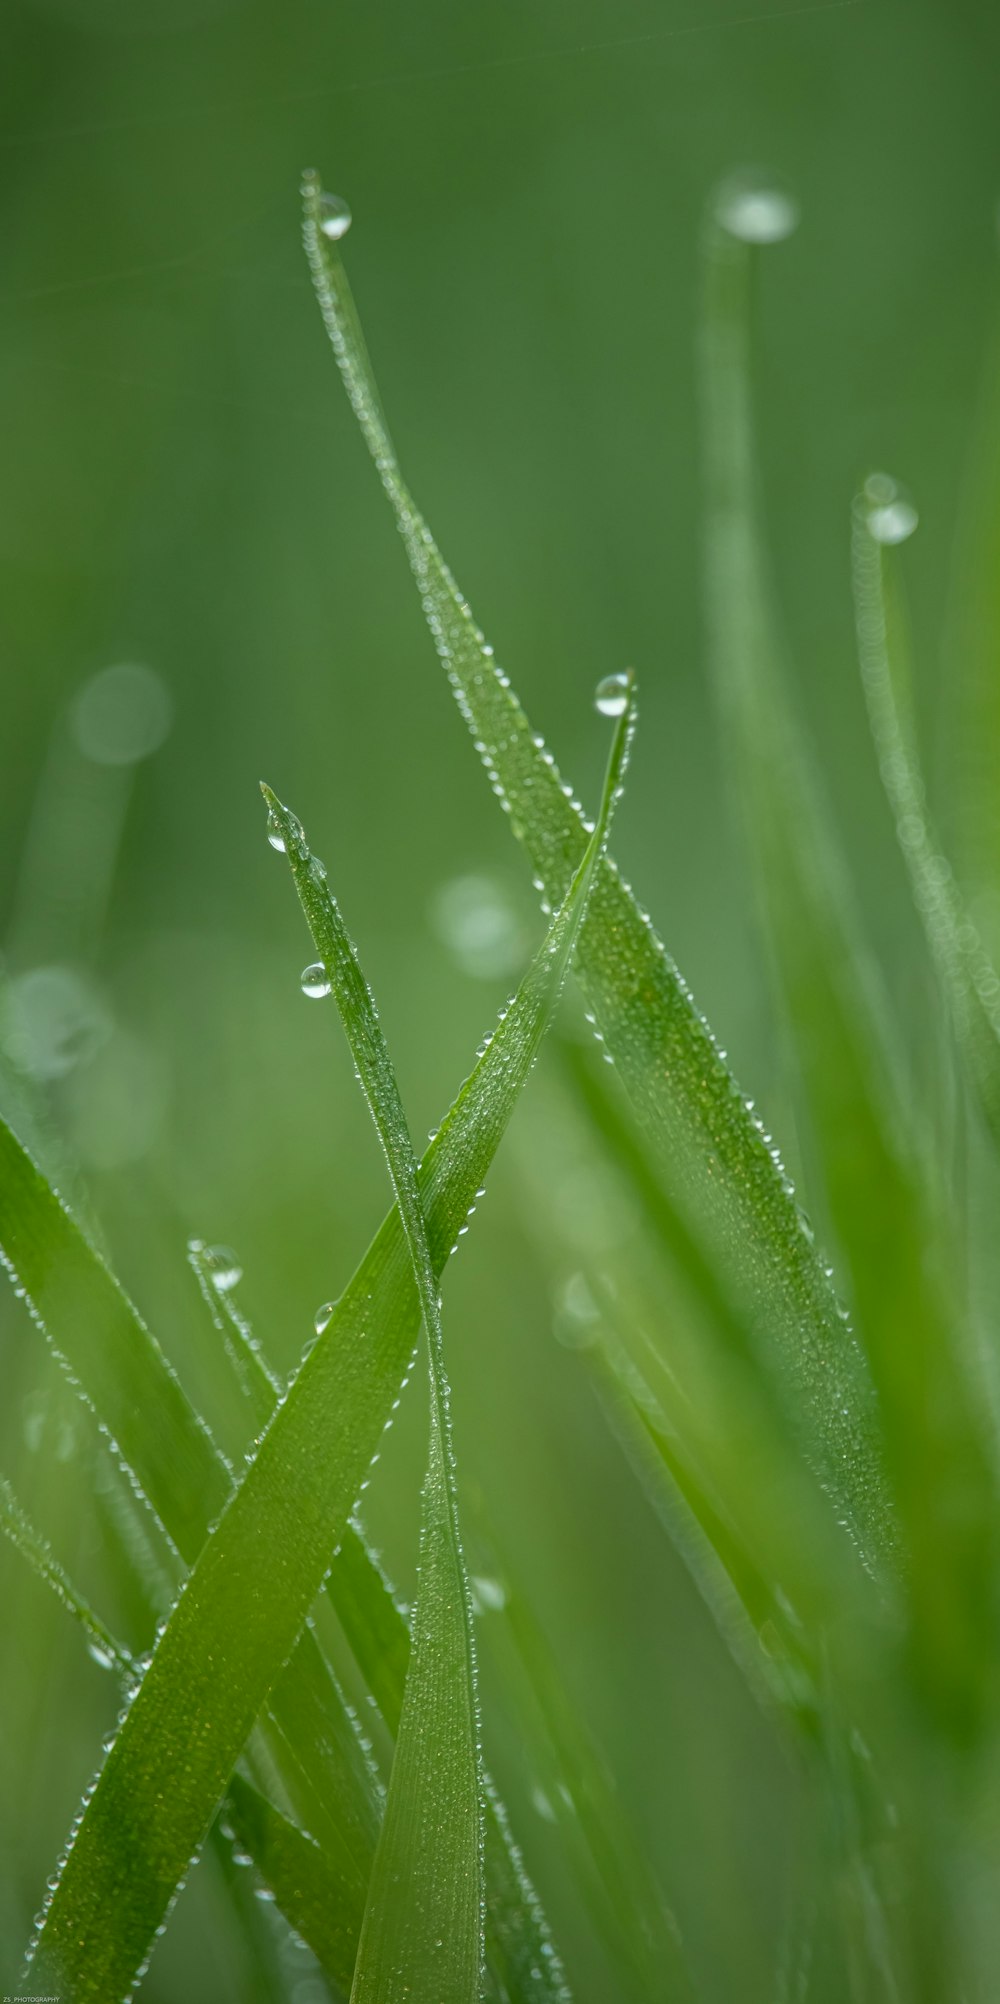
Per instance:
x=968, y=979
x=728, y=1177
x=248, y=1595
x=322, y=1904
x=422, y=1933
x=889, y=1227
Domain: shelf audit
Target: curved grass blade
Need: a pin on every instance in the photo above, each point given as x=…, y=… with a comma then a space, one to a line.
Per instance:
x=422, y=1932
x=726, y=1171
x=309, y=1881
x=894, y=1236
x=968, y=979
x=323, y=1907
x=246, y=1599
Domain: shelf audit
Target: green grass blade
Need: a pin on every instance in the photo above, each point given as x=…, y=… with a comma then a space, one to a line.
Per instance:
x=248, y=1594
x=422, y=1934
x=522, y=1962
x=109, y=1353
x=324, y=1907
x=726, y=1170
x=17, y=1526
x=968, y=979
x=893, y=1237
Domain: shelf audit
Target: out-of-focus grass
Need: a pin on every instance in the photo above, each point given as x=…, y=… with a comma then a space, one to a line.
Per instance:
x=173, y=502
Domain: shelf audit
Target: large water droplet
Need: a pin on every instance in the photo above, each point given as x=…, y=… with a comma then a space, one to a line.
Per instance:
x=224, y=1269
x=314, y=980
x=889, y=513
x=323, y=1316
x=755, y=210
x=611, y=695
x=334, y=217
x=100, y=1654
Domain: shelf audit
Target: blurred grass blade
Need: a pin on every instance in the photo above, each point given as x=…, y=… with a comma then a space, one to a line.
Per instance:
x=725, y=1169
x=895, y=1242
x=247, y=1596
x=316, y=1900
x=109, y=1353
x=422, y=1933
x=968, y=979
x=17, y=1526
x=973, y=650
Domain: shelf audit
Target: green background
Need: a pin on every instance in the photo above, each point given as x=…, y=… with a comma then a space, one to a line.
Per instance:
x=183, y=485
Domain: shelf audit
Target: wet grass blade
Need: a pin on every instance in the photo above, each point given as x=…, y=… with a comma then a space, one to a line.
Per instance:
x=725, y=1169
x=893, y=1234
x=422, y=1933
x=968, y=979
x=17, y=1526
x=246, y=1599
x=108, y=1353
x=522, y=1963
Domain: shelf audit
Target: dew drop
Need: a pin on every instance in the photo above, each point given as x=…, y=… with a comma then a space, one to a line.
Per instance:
x=322, y=1317
x=314, y=980
x=611, y=695
x=890, y=515
x=100, y=1654
x=274, y=833
x=756, y=211
x=334, y=217
x=224, y=1269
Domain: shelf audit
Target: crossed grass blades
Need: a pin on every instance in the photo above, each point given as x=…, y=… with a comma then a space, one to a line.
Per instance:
x=823, y=1455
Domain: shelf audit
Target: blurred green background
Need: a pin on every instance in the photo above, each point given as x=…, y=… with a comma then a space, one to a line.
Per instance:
x=183, y=488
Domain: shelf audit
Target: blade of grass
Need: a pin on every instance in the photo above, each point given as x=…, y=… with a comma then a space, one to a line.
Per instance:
x=249, y=1592
x=521, y=1959
x=17, y=1526
x=729, y=1179
x=895, y=1239
x=968, y=979
x=422, y=1932
x=421, y=1936
x=291, y=1864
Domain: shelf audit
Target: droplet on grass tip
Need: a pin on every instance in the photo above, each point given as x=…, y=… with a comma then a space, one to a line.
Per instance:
x=611, y=696
x=334, y=217
x=274, y=832
x=322, y=1317
x=756, y=210
x=890, y=516
x=314, y=980
x=224, y=1269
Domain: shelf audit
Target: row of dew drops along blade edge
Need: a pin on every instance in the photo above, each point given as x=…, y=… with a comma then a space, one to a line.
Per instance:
x=610, y=700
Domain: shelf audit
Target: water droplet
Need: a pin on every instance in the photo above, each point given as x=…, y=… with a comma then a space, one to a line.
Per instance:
x=890, y=515
x=322, y=1317
x=334, y=217
x=274, y=832
x=56, y=1021
x=224, y=1269
x=755, y=210
x=314, y=980
x=122, y=715
x=477, y=919
x=100, y=1654
x=611, y=695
